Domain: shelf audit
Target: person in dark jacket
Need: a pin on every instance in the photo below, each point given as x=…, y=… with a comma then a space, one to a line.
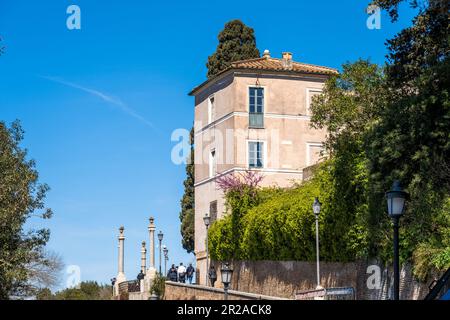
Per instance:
x=173, y=274
x=190, y=273
x=212, y=275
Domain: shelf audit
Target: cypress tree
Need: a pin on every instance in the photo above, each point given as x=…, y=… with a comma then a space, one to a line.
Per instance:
x=236, y=42
x=188, y=202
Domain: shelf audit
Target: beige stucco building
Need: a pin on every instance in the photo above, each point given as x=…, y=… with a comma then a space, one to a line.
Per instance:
x=253, y=115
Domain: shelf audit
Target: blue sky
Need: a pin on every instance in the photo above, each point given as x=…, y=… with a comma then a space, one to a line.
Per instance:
x=99, y=104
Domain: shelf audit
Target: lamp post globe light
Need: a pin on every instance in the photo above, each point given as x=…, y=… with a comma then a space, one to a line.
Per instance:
x=396, y=199
x=113, y=282
x=316, y=209
x=207, y=221
x=166, y=257
x=160, y=238
x=226, y=272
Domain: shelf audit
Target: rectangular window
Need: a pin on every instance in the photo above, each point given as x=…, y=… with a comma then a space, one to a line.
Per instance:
x=255, y=154
x=213, y=211
x=313, y=153
x=212, y=163
x=310, y=93
x=256, y=107
x=211, y=109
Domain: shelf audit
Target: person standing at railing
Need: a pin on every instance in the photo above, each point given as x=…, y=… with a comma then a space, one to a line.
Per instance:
x=173, y=274
x=190, y=273
x=212, y=275
x=182, y=273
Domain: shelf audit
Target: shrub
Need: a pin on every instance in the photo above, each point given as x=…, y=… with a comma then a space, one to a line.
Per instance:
x=278, y=224
x=159, y=286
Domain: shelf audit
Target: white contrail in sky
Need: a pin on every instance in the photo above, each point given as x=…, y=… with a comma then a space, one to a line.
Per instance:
x=112, y=100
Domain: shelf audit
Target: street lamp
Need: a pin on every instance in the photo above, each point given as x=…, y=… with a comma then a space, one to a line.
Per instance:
x=226, y=273
x=396, y=203
x=113, y=282
x=166, y=257
x=316, y=209
x=207, y=221
x=160, y=238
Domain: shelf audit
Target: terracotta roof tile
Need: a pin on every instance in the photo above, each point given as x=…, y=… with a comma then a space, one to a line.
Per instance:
x=272, y=64
x=279, y=65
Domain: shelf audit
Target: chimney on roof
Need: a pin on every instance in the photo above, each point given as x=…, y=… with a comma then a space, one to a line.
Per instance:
x=266, y=54
x=287, y=60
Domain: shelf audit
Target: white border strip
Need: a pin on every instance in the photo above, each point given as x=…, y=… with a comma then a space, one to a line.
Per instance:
x=268, y=170
x=245, y=114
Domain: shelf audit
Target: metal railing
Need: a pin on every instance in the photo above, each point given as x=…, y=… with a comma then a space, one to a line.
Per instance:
x=437, y=285
x=340, y=293
x=231, y=293
x=130, y=286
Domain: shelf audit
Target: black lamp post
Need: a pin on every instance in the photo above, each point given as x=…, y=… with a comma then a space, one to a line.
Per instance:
x=113, y=282
x=316, y=209
x=207, y=221
x=226, y=273
x=160, y=238
x=166, y=257
x=396, y=203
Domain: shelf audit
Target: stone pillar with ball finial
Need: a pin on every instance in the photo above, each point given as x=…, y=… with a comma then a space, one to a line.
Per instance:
x=143, y=266
x=121, y=273
x=143, y=258
x=151, y=271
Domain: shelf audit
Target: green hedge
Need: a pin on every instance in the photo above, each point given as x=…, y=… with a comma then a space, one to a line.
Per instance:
x=279, y=224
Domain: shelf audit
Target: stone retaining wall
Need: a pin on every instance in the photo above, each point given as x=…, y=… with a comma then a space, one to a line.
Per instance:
x=182, y=291
x=284, y=278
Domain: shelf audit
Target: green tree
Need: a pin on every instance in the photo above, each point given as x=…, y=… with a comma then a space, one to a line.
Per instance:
x=188, y=201
x=416, y=120
x=411, y=139
x=383, y=124
x=88, y=290
x=348, y=108
x=21, y=197
x=236, y=42
x=44, y=294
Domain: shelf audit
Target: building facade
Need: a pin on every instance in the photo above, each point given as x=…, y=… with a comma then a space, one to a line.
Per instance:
x=253, y=115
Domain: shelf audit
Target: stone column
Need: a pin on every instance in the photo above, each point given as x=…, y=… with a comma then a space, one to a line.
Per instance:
x=121, y=274
x=151, y=231
x=143, y=258
x=121, y=249
x=151, y=271
x=143, y=266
